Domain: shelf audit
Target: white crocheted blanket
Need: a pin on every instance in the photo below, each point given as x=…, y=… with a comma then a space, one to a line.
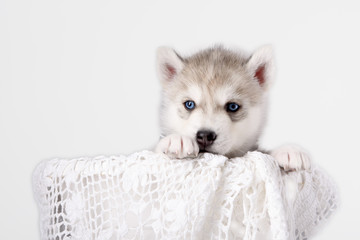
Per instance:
x=148, y=196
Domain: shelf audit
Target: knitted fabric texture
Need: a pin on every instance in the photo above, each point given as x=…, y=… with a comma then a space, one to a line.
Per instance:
x=149, y=196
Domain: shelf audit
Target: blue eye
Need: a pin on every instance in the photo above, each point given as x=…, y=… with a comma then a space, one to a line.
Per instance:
x=232, y=107
x=189, y=105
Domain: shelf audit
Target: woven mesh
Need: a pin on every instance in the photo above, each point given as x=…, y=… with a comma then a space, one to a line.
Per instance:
x=148, y=196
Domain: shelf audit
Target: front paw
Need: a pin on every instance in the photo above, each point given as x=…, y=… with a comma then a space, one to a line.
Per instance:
x=292, y=157
x=177, y=146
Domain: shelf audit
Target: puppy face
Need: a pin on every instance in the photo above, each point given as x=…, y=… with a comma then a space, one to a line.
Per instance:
x=216, y=96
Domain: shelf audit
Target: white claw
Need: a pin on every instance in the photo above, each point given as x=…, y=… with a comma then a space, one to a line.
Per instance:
x=292, y=157
x=176, y=146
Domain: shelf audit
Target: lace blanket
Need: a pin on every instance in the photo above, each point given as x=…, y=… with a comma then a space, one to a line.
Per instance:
x=148, y=196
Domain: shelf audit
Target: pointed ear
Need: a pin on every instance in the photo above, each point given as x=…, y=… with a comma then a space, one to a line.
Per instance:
x=169, y=64
x=261, y=66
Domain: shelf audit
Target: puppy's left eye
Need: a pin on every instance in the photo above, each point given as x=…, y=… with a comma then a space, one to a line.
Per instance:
x=232, y=107
x=189, y=105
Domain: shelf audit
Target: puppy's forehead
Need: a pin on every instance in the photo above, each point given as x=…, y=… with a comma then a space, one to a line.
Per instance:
x=211, y=78
x=212, y=95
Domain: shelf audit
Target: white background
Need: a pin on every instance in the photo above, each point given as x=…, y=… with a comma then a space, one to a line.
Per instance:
x=77, y=78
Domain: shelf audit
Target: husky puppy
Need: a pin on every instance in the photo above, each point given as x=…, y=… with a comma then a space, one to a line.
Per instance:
x=216, y=101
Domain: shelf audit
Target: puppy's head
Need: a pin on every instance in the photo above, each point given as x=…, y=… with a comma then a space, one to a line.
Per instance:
x=217, y=97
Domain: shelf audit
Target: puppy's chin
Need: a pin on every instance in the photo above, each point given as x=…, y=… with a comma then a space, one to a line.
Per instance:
x=212, y=150
x=226, y=154
x=208, y=151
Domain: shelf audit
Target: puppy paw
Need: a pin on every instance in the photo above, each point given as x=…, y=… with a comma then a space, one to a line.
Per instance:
x=177, y=146
x=291, y=157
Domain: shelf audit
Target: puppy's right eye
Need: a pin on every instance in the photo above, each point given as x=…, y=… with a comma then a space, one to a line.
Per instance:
x=189, y=105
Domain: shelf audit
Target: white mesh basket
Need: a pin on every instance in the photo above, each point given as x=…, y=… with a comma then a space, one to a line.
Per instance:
x=148, y=196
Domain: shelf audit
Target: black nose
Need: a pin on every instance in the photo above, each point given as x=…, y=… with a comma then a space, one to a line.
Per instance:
x=205, y=138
